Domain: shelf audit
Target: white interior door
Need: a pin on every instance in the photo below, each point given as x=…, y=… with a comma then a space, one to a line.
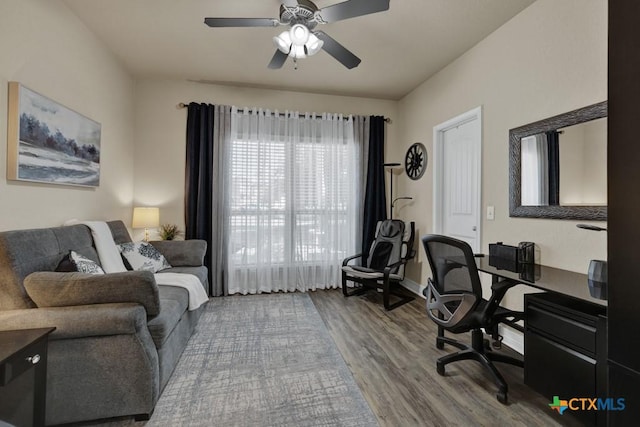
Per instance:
x=457, y=198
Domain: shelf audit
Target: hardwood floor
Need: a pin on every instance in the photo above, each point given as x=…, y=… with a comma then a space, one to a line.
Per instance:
x=392, y=355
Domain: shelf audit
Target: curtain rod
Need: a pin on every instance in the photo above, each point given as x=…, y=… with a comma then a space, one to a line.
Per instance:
x=183, y=105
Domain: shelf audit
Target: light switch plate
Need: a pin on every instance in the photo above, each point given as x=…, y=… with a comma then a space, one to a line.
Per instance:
x=490, y=213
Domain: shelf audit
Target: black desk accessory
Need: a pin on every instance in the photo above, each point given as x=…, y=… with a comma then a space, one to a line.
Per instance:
x=509, y=257
x=598, y=270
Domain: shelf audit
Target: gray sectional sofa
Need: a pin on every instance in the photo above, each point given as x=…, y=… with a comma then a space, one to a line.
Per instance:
x=118, y=336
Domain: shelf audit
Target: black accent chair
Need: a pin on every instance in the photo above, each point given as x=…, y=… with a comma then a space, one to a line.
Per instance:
x=455, y=304
x=383, y=268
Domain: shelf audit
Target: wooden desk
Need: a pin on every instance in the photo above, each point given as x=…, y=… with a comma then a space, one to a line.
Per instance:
x=23, y=375
x=565, y=336
x=550, y=279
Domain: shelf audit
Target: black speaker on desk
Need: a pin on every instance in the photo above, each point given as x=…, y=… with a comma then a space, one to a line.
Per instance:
x=597, y=278
x=503, y=256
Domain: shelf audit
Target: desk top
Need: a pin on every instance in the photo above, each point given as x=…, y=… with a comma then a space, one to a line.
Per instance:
x=545, y=278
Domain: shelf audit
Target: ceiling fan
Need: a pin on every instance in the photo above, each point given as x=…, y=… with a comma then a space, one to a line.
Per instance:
x=303, y=16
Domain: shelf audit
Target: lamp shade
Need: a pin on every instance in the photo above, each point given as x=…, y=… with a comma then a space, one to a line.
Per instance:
x=314, y=45
x=146, y=218
x=299, y=34
x=297, y=52
x=283, y=42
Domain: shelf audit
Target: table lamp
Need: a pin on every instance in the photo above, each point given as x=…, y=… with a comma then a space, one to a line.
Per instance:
x=146, y=218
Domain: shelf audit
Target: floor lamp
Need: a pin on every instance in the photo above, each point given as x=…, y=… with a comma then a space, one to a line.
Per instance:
x=391, y=167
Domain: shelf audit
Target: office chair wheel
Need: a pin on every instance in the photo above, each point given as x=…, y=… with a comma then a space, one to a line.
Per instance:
x=502, y=397
x=440, y=368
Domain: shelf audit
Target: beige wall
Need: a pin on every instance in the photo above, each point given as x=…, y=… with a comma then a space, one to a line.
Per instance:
x=46, y=48
x=549, y=59
x=161, y=127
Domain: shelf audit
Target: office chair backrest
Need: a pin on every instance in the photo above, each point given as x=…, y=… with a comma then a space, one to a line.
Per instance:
x=389, y=245
x=455, y=288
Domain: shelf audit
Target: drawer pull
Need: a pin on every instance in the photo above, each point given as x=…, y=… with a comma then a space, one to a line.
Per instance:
x=33, y=359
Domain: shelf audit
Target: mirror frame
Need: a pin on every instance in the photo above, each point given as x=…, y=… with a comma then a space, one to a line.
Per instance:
x=581, y=115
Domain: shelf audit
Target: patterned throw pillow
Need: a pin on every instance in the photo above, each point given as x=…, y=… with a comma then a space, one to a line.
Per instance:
x=143, y=256
x=84, y=264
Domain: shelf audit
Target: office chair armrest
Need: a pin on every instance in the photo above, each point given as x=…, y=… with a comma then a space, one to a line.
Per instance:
x=503, y=285
x=351, y=258
x=499, y=289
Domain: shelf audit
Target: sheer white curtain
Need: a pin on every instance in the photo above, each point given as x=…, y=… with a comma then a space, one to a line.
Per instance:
x=535, y=171
x=294, y=195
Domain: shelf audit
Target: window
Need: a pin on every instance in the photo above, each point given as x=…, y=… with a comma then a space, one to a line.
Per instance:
x=293, y=201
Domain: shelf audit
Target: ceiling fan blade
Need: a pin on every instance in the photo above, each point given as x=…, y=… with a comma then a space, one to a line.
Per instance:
x=278, y=60
x=241, y=22
x=338, y=51
x=290, y=3
x=352, y=9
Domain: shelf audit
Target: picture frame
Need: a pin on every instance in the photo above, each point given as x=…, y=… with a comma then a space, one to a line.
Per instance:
x=50, y=143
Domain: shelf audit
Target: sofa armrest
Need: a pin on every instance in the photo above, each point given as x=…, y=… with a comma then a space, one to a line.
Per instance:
x=182, y=253
x=53, y=289
x=79, y=321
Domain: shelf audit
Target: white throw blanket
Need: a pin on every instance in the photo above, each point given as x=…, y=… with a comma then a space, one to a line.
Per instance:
x=197, y=294
x=111, y=262
x=108, y=252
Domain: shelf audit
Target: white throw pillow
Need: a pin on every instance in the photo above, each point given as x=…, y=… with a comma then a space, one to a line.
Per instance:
x=84, y=264
x=143, y=256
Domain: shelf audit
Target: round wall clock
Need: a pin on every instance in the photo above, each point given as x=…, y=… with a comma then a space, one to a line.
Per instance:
x=415, y=162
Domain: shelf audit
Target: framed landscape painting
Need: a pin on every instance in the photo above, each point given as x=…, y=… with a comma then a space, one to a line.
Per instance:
x=47, y=142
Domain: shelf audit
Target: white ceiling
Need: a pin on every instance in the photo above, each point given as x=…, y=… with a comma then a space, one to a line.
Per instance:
x=399, y=48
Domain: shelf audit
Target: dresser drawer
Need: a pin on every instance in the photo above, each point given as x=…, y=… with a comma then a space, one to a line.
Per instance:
x=570, y=331
x=555, y=370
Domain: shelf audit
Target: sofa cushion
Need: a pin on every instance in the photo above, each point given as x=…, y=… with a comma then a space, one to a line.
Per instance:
x=53, y=289
x=173, y=303
x=119, y=231
x=142, y=256
x=23, y=252
x=182, y=253
x=84, y=264
x=66, y=265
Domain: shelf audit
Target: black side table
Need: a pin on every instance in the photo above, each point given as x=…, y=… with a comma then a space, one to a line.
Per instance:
x=23, y=376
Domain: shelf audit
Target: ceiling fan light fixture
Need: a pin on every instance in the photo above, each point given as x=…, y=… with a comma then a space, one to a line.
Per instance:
x=298, y=52
x=299, y=34
x=283, y=42
x=313, y=45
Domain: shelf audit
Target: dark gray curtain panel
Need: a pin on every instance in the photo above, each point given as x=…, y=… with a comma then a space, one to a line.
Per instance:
x=375, y=202
x=553, y=139
x=208, y=128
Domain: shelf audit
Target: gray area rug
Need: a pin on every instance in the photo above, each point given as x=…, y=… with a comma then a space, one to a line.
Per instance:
x=263, y=360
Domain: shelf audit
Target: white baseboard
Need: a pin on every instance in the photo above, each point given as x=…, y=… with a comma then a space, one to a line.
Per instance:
x=510, y=337
x=414, y=287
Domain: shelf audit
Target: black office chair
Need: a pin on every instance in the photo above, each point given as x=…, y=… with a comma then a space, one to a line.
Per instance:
x=455, y=304
x=384, y=266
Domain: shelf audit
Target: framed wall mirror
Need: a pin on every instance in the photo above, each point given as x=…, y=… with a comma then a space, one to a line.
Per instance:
x=558, y=166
